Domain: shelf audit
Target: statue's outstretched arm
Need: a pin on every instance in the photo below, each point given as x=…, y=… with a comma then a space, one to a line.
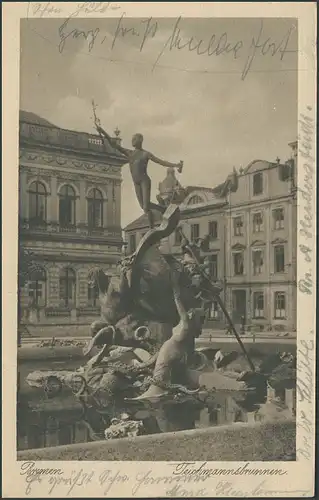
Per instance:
x=164, y=163
x=111, y=140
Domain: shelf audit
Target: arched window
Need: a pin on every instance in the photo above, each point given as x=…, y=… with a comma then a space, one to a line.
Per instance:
x=95, y=209
x=93, y=295
x=194, y=200
x=37, y=203
x=37, y=288
x=67, y=287
x=67, y=206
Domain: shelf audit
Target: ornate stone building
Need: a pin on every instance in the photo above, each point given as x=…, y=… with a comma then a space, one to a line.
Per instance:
x=70, y=219
x=249, y=224
x=261, y=260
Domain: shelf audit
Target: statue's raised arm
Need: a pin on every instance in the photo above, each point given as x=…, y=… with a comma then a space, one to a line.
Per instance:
x=104, y=135
x=112, y=141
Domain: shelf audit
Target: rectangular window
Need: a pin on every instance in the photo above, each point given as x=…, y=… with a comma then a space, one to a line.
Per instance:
x=279, y=257
x=278, y=218
x=258, y=222
x=238, y=260
x=257, y=183
x=95, y=208
x=280, y=305
x=214, y=266
x=36, y=291
x=66, y=212
x=212, y=229
x=258, y=261
x=214, y=310
x=132, y=241
x=258, y=301
x=238, y=226
x=194, y=232
x=67, y=292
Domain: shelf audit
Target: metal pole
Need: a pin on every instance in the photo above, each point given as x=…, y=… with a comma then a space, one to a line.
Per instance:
x=232, y=326
x=220, y=302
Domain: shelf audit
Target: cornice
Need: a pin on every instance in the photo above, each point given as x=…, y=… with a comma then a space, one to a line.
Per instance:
x=82, y=153
x=238, y=246
x=258, y=243
x=278, y=241
x=69, y=175
x=56, y=161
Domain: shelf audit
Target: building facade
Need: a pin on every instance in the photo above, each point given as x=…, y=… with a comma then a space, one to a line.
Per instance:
x=70, y=219
x=249, y=224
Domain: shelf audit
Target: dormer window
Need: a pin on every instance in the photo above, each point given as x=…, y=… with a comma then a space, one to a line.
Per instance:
x=195, y=200
x=257, y=184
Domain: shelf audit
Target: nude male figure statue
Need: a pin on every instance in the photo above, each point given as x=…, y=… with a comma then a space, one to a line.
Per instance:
x=138, y=160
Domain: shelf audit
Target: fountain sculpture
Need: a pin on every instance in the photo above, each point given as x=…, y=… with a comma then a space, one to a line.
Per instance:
x=155, y=306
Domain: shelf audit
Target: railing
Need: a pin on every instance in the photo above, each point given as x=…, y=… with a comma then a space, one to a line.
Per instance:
x=51, y=312
x=67, y=229
x=88, y=311
x=66, y=138
x=84, y=230
x=60, y=137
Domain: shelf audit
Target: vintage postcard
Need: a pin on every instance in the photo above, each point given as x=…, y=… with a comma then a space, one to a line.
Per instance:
x=159, y=249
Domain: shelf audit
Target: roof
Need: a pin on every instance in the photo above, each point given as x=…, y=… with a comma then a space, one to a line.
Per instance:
x=29, y=117
x=142, y=221
x=190, y=189
x=218, y=189
x=57, y=136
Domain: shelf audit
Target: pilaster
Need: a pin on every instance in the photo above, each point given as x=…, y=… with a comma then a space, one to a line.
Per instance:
x=53, y=286
x=23, y=195
x=81, y=205
x=53, y=202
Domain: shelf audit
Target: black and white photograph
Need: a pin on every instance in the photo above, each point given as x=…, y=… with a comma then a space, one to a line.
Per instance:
x=160, y=178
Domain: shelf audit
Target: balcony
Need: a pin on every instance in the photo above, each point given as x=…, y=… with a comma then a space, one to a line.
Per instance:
x=67, y=229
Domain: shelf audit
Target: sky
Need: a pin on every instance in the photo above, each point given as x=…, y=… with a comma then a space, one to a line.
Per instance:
x=190, y=107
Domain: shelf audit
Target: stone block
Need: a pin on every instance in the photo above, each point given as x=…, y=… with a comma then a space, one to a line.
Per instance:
x=240, y=442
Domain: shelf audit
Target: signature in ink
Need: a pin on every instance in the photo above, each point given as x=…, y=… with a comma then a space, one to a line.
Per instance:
x=304, y=423
x=261, y=46
x=90, y=35
x=304, y=365
x=149, y=30
x=43, y=8
x=216, y=45
x=227, y=488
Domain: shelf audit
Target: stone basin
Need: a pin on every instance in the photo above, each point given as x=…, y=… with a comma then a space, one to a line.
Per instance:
x=183, y=414
x=240, y=442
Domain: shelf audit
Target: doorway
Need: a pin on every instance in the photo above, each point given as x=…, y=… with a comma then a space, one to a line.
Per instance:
x=239, y=306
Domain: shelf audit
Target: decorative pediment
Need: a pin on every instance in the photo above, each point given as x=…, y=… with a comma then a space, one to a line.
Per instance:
x=278, y=241
x=238, y=246
x=258, y=243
